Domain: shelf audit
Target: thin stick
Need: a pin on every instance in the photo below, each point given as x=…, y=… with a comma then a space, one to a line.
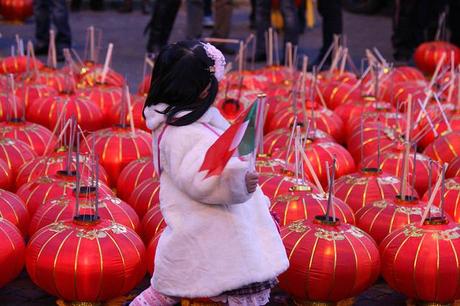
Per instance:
x=78, y=178
x=433, y=195
x=108, y=59
x=312, y=171
x=291, y=137
x=276, y=48
x=443, y=113
x=241, y=57
x=344, y=60
x=430, y=179
x=96, y=198
x=335, y=60
x=52, y=57
x=130, y=111
x=92, y=51
x=296, y=153
x=13, y=97
x=407, y=150
x=270, y=46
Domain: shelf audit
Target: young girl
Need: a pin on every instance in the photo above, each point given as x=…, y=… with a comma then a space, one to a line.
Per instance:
x=220, y=241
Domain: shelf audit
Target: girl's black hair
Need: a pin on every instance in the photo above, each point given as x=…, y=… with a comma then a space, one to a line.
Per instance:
x=180, y=75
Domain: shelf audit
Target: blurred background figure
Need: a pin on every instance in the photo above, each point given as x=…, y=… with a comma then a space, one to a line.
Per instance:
x=332, y=24
x=95, y=5
x=263, y=21
x=416, y=21
x=208, y=21
x=164, y=15
x=127, y=6
x=53, y=12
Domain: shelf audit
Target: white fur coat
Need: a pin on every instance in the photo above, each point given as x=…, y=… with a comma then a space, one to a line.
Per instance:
x=218, y=237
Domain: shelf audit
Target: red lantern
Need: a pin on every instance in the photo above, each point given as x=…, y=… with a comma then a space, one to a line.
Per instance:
x=15, y=153
x=439, y=125
x=6, y=101
x=12, y=251
x=451, y=198
x=265, y=164
x=46, y=111
x=86, y=261
x=329, y=261
x=151, y=251
x=16, y=10
x=350, y=111
x=279, y=139
x=337, y=76
x=43, y=189
x=34, y=135
x=145, y=196
x=134, y=174
x=152, y=224
x=454, y=168
x=381, y=218
x=104, y=96
x=54, y=78
x=320, y=153
x=428, y=54
x=48, y=165
x=144, y=86
x=117, y=147
x=373, y=134
x=393, y=120
x=31, y=92
x=6, y=176
x=392, y=162
x=398, y=93
x=249, y=81
x=17, y=64
x=367, y=186
x=339, y=93
x=302, y=203
x=276, y=184
x=63, y=208
x=233, y=103
x=137, y=107
x=13, y=209
x=322, y=118
x=92, y=76
x=420, y=261
x=445, y=148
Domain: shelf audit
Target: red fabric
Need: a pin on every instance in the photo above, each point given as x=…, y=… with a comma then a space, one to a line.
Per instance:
x=12, y=252
x=145, y=196
x=133, y=175
x=428, y=54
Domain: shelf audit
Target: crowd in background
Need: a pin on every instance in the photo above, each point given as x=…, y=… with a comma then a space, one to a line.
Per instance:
x=414, y=21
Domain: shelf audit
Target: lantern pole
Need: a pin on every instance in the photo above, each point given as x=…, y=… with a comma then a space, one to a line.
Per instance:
x=432, y=196
x=77, y=183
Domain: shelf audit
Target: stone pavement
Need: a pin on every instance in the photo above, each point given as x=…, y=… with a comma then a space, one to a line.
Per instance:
x=125, y=31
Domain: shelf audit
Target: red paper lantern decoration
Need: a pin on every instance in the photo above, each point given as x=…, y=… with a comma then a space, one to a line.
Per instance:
x=339, y=93
x=43, y=189
x=63, y=208
x=151, y=251
x=265, y=164
x=420, y=261
x=117, y=147
x=445, y=148
x=31, y=92
x=6, y=102
x=398, y=93
x=145, y=196
x=337, y=76
x=233, y=103
x=6, y=176
x=17, y=64
x=34, y=135
x=12, y=251
x=48, y=165
x=137, y=106
x=451, y=198
x=428, y=54
x=301, y=203
x=320, y=153
x=103, y=96
x=46, y=111
x=152, y=224
x=16, y=10
x=329, y=261
x=134, y=174
x=144, y=86
x=15, y=153
x=13, y=209
x=276, y=184
x=250, y=81
x=381, y=218
x=367, y=186
x=454, y=168
x=91, y=75
x=350, y=111
x=392, y=162
x=279, y=139
x=86, y=261
x=393, y=120
x=322, y=118
x=62, y=82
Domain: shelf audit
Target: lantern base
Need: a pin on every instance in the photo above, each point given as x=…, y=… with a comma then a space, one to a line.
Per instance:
x=423, y=303
x=346, y=302
x=187, y=302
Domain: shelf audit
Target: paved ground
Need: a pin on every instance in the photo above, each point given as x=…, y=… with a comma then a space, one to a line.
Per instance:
x=125, y=31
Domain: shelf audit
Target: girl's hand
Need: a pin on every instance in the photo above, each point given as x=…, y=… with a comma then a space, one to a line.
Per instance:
x=252, y=179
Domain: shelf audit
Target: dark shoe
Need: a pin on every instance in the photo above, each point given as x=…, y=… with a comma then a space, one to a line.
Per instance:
x=41, y=50
x=75, y=5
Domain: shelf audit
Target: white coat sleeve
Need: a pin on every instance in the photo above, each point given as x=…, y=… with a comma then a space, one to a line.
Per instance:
x=227, y=188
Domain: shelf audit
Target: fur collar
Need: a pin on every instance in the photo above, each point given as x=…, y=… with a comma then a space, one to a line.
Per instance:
x=154, y=119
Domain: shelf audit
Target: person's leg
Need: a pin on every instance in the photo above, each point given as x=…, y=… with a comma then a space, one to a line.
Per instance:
x=60, y=19
x=405, y=30
x=96, y=5
x=301, y=11
x=126, y=7
x=42, y=25
x=252, y=15
x=163, y=17
x=195, y=13
x=454, y=22
x=207, y=7
x=75, y=5
x=332, y=24
x=291, y=21
x=263, y=21
x=224, y=10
